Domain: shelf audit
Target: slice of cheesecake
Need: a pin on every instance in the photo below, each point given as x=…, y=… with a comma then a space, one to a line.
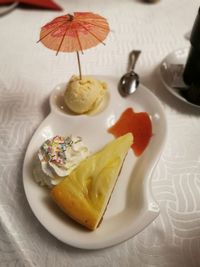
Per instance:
x=85, y=193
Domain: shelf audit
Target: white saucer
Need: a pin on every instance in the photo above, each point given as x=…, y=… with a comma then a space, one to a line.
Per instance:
x=178, y=56
x=132, y=206
x=7, y=9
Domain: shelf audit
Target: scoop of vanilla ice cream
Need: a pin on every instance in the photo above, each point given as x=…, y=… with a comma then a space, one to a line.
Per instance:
x=84, y=95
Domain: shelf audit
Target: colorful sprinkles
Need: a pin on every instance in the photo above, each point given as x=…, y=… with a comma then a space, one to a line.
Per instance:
x=54, y=149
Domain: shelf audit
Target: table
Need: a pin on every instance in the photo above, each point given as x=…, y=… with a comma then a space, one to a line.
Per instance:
x=28, y=73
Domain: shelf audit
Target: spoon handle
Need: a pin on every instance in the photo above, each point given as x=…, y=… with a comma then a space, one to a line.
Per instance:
x=133, y=57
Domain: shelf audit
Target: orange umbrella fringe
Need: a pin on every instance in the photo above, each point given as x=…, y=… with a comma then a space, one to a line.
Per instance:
x=101, y=41
x=67, y=30
x=55, y=21
x=52, y=31
x=106, y=27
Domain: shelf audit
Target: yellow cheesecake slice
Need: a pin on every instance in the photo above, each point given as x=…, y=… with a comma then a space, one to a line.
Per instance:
x=85, y=193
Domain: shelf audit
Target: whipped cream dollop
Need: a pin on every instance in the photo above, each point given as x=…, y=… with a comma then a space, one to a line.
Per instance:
x=57, y=157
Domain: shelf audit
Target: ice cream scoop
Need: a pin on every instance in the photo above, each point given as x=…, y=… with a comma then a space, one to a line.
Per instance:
x=84, y=95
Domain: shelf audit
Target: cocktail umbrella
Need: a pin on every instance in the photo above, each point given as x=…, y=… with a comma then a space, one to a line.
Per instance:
x=74, y=33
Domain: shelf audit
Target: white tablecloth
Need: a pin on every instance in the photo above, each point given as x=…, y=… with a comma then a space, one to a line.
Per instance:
x=28, y=73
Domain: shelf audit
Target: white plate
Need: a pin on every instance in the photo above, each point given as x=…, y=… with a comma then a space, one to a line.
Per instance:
x=178, y=56
x=132, y=206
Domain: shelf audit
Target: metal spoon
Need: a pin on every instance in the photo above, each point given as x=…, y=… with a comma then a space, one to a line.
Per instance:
x=129, y=82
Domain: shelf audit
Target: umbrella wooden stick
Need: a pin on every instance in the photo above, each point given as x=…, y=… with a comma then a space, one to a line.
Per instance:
x=79, y=65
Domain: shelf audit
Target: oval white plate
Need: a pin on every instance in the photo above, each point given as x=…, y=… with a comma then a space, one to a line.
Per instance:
x=131, y=207
x=178, y=56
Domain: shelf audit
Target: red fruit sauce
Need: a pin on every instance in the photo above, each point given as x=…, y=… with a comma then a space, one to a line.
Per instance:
x=139, y=124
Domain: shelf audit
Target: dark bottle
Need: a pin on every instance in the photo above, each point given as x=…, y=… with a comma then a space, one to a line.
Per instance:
x=191, y=74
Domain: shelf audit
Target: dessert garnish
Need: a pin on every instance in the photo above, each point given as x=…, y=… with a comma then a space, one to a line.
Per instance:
x=137, y=123
x=58, y=156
